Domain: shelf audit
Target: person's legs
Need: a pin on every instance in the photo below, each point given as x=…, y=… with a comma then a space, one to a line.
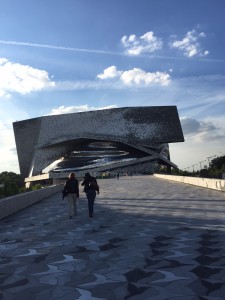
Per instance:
x=74, y=196
x=91, y=199
x=70, y=205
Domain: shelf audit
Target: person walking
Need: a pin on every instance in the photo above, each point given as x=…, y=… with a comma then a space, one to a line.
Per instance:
x=71, y=190
x=90, y=188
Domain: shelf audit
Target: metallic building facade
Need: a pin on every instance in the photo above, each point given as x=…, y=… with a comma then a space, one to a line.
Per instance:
x=128, y=139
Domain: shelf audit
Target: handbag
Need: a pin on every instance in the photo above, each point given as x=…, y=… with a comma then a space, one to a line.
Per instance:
x=64, y=193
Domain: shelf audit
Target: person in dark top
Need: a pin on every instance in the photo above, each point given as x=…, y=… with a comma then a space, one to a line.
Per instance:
x=90, y=188
x=71, y=189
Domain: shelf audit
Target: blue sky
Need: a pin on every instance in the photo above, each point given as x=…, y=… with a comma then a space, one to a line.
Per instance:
x=64, y=56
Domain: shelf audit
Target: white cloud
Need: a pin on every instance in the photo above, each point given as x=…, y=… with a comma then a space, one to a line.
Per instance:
x=190, y=44
x=136, y=76
x=203, y=138
x=203, y=130
x=110, y=72
x=209, y=133
x=74, y=109
x=22, y=79
x=146, y=43
x=189, y=125
x=8, y=155
x=46, y=46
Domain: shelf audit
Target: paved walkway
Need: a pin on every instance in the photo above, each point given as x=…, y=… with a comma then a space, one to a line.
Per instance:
x=149, y=239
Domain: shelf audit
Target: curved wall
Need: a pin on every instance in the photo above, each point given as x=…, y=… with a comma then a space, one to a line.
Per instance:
x=41, y=141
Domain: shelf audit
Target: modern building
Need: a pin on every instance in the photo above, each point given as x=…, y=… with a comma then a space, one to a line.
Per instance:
x=119, y=140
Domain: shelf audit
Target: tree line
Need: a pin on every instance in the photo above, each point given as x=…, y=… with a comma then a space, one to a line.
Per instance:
x=13, y=184
x=216, y=169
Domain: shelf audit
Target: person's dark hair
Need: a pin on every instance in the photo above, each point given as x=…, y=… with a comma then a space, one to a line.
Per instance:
x=72, y=175
x=87, y=175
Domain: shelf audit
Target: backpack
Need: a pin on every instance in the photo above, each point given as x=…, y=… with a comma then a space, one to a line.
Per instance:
x=93, y=184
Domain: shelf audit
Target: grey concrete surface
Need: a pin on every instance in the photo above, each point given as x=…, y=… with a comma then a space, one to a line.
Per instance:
x=13, y=204
x=149, y=239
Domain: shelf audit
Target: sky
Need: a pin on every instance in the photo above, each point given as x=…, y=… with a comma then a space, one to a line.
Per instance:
x=66, y=56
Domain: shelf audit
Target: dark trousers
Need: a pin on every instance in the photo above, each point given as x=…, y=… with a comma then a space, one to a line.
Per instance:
x=91, y=200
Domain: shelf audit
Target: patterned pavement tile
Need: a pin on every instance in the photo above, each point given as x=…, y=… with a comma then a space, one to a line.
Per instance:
x=149, y=238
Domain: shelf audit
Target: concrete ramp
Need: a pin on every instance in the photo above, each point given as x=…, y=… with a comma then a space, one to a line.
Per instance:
x=149, y=239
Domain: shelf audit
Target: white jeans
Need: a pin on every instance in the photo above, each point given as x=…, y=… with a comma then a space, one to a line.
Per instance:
x=72, y=204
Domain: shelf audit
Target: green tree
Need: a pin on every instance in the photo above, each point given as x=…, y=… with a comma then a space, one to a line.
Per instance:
x=204, y=173
x=217, y=163
x=12, y=182
x=217, y=167
x=215, y=170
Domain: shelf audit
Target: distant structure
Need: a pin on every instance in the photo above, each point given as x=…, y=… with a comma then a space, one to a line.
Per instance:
x=128, y=139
